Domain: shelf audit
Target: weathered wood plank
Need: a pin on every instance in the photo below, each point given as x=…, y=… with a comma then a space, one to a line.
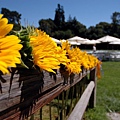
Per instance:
x=29, y=93
x=16, y=91
x=80, y=107
x=15, y=114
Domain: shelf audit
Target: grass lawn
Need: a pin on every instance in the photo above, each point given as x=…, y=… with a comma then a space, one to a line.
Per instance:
x=108, y=92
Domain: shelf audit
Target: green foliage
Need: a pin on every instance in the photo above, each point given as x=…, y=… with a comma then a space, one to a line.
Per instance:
x=76, y=27
x=91, y=33
x=97, y=113
x=13, y=17
x=116, y=18
x=59, y=16
x=47, y=25
x=26, y=51
x=62, y=34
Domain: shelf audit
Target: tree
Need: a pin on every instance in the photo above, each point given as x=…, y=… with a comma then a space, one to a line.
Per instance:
x=116, y=24
x=13, y=17
x=116, y=18
x=47, y=25
x=60, y=34
x=59, y=16
x=103, y=28
x=76, y=27
x=91, y=33
x=69, y=19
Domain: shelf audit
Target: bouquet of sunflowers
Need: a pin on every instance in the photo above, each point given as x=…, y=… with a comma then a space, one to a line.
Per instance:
x=33, y=48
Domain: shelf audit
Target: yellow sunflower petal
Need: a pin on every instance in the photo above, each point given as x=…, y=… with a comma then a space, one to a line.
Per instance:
x=3, y=21
x=5, y=30
x=3, y=67
x=1, y=15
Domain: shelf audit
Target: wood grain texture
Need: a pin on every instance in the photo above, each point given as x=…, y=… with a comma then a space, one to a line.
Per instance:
x=80, y=107
x=29, y=92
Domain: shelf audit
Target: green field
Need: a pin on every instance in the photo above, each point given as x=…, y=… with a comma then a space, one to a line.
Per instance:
x=108, y=92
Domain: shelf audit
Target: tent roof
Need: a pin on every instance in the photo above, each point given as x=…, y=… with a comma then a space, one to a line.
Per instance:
x=56, y=40
x=91, y=42
x=76, y=39
x=115, y=43
x=108, y=38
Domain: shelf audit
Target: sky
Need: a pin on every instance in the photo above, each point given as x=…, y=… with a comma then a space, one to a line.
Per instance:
x=87, y=12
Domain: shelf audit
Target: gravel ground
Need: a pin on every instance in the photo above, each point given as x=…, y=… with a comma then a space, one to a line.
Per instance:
x=113, y=116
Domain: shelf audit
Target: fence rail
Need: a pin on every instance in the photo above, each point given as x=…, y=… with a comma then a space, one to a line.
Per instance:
x=80, y=107
x=29, y=94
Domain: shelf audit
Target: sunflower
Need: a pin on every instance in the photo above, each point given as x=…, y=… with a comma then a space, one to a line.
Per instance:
x=73, y=63
x=9, y=47
x=45, y=51
x=78, y=58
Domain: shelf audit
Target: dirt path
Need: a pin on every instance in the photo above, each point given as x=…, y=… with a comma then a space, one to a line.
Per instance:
x=113, y=116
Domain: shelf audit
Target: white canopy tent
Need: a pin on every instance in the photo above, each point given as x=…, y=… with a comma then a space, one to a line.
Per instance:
x=71, y=42
x=115, y=43
x=108, y=38
x=76, y=39
x=56, y=40
x=91, y=42
x=74, y=43
x=59, y=41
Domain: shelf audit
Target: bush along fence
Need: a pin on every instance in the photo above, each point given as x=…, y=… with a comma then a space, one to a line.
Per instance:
x=35, y=72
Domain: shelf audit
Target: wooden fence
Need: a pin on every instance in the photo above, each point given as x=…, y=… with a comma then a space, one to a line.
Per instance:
x=28, y=91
